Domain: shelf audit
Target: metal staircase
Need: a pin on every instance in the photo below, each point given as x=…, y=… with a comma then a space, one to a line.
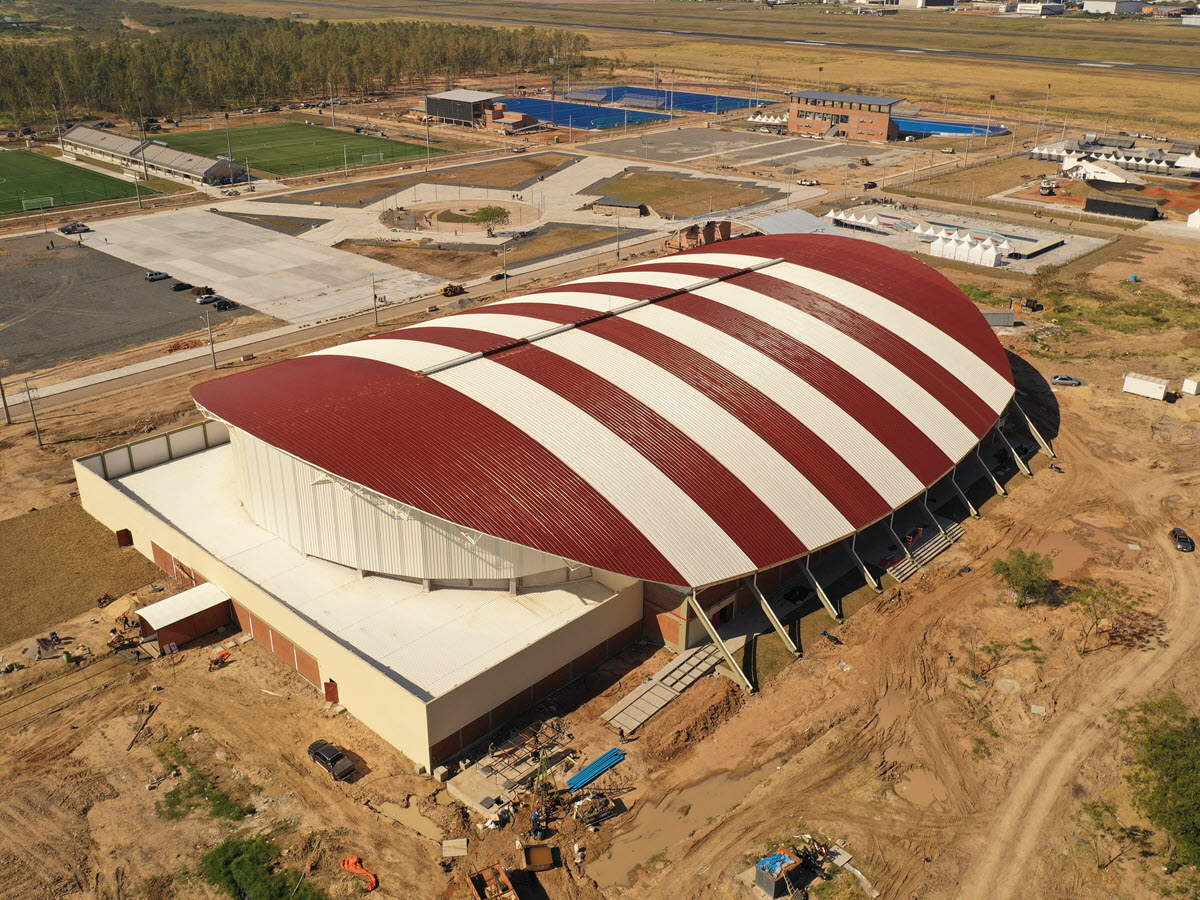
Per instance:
x=634, y=709
x=926, y=552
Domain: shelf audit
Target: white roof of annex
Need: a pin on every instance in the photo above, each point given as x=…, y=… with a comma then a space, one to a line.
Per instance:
x=428, y=642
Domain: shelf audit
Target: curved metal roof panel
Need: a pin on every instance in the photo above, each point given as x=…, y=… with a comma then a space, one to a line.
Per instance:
x=685, y=420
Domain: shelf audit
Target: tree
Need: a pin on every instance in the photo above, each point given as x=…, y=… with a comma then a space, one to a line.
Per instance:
x=1164, y=742
x=1098, y=603
x=1027, y=574
x=492, y=217
x=1045, y=278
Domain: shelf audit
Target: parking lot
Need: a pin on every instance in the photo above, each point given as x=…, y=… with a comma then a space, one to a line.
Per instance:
x=282, y=276
x=73, y=303
x=685, y=144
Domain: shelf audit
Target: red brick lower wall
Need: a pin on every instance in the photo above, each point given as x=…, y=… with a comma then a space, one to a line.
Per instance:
x=528, y=697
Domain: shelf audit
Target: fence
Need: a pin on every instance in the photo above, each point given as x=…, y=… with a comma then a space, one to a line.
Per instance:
x=137, y=455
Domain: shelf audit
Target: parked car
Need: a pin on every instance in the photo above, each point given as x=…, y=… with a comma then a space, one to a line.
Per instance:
x=181, y=286
x=207, y=298
x=157, y=276
x=519, y=149
x=947, y=149
x=870, y=185
x=331, y=759
x=1183, y=543
x=1065, y=380
x=224, y=305
x=74, y=228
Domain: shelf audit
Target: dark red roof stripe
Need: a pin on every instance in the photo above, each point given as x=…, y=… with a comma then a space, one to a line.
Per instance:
x=892, y=274
x=930, y=374
x=915, y=449
x=453, y=457
x=740, y=513
x=825, y=469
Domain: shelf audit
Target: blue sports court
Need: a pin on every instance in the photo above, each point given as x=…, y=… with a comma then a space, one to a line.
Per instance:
x=577, y=115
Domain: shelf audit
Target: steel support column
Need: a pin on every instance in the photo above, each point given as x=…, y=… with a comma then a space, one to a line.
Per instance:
x=961, y=496
x=738, y=674
x=896, y=537
x=1016, y=456
x=1037, y=436
x=925, y=503
x=862, y=566
x=824, y=598
x=996, y=484
x=775, y=623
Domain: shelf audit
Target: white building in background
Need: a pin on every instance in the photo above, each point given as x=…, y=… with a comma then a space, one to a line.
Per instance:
x=1113, y=7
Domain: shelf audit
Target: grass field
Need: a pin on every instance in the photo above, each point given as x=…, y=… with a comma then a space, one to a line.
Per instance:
x=289, y=148
x=25, y=176
x=670, y=195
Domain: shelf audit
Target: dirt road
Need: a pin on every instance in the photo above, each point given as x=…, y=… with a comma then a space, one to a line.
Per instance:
x=1038, y=789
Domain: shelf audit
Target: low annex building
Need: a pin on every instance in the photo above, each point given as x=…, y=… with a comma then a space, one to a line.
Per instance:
x=441, y=525
x=828, y=114
x=150, y=157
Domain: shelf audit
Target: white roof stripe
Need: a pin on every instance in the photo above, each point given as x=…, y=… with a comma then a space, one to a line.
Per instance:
x=837, y=428
x=797, y=503
x=415, y=355
x=974, y=373
x=669, y=280
x=683, y=532
x=904, y=394
x=989, y=385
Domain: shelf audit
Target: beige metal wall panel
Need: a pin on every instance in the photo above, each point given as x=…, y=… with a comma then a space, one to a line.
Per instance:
x=369, y=694
x=150, y=452
x=334, y=520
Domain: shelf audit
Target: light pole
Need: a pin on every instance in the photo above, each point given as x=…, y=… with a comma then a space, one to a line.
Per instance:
x=1041, y=124
x=987, y=134
x=142, y=126
x=504, y=251
x=32, y=412
x=757, y=63
x=211, y=346
x=228, y=138
x=374, y=301
x=332, y=106
x=618, y=238
x=820, y=69
x=58, y=128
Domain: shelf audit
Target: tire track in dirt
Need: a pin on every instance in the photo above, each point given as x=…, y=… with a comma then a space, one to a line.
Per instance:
x=1036, y=790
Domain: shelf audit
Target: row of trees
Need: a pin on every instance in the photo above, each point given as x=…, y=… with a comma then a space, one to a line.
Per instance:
x=252, y=62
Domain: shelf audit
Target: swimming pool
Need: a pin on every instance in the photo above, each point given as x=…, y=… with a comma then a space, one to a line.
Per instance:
x=944, y=128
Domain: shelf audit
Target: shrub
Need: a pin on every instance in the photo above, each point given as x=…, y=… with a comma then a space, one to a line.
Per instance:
x=243, y=869
x=1027, y=574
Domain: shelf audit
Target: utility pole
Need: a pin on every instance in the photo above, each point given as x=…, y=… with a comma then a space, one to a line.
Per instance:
x=987, y=134
x=426, y=140
x=345, y=162
x=332, y=106
x=820, y=69
x=553, y=79
x=58, y=128
x=504, y=251
x=757, y=63
x=4, y=403
x=618, y=238
x=374, y=301
x=211, y=346
x=33, y=412
x=1045, y=108
x=228, y=138
x=142, y=126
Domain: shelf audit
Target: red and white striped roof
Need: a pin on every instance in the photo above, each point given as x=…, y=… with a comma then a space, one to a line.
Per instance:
x=686, y=420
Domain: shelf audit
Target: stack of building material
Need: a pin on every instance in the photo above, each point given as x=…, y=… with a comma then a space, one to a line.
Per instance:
x=595, y=769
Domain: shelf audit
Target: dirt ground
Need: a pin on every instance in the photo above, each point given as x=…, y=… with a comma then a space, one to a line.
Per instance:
x=672, y=195
x=450, y=263
x=941, y=785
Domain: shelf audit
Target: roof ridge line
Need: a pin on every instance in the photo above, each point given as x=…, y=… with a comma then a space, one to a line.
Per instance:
x=596, y=317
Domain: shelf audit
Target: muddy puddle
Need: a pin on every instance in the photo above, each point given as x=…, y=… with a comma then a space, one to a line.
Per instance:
x=675, y=817
x=411, y=818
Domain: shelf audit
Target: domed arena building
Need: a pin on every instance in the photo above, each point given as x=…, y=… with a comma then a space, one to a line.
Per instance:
x=441, y=525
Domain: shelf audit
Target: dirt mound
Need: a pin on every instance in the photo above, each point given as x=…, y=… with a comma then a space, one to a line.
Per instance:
x=695, y=715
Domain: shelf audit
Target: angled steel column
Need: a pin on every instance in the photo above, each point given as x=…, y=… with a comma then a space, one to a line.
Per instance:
x=861, y=565
x=1016, y=456
x=925, y=503
x=776, y=624
x=1037, y=436
x=825, y=601
x=716, y=639
x=999, y=488
x=961, y=496
x=896, y=537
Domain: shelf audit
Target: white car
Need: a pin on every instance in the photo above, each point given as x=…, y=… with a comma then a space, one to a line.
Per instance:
x=207, y=298
x=157, y=276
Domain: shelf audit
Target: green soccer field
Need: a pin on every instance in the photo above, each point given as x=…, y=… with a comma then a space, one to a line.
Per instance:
x=26, y=176
x=289, y=148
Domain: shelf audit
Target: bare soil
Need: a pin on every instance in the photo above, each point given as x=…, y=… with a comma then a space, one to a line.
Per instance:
x=426, y=256
x=672, y=195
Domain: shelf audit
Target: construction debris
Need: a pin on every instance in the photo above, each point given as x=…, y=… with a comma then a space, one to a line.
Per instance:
x=354, y=865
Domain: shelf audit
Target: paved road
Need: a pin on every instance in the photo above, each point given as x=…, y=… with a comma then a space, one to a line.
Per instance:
x=762, y=39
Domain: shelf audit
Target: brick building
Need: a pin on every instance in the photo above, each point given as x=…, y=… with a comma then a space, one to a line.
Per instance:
x=858, y=116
